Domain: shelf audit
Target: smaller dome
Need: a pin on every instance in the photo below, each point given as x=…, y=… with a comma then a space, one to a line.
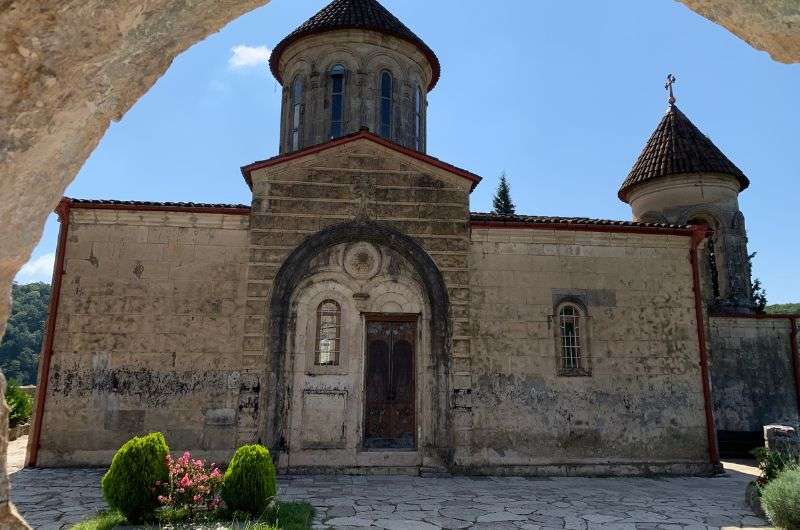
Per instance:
x=355, y=14
x=677, y=147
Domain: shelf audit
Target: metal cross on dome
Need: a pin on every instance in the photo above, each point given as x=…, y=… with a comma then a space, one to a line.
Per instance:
x=670, y=81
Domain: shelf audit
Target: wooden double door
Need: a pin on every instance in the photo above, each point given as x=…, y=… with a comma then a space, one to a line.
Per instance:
x=389, y=397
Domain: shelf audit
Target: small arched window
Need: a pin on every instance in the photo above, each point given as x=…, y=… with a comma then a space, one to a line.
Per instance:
x=337, y=100
x=418, y=118
x=386, y=105
x=297, y=108
x=570, y=338
x=329, y=317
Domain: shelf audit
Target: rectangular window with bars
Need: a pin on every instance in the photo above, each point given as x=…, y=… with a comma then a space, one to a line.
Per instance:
x=570, y=323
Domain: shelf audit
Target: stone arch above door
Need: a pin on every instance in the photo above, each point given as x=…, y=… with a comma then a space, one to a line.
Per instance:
x=304, y=260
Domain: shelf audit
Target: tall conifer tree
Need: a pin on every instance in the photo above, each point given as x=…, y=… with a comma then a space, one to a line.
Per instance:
x=502, y=198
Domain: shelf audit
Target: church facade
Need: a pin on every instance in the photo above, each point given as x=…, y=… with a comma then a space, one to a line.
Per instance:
x=357, y=317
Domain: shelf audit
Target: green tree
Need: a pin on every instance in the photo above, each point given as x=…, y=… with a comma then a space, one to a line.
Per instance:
x=758, y=294
x=502, y=198
x=19, y=349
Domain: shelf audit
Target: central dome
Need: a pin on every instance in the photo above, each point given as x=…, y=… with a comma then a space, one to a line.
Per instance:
x=354, y=14
x=351, y=66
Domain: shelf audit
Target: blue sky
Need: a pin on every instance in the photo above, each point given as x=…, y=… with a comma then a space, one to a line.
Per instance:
x=560, y=95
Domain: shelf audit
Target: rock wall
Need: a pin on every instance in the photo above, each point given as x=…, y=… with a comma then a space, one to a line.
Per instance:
x=769, y=25
x=636, y=405
x=149, y=336
x=67, y=68
x=752, y=376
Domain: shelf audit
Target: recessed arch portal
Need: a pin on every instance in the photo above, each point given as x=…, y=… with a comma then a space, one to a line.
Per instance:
x=297, y=267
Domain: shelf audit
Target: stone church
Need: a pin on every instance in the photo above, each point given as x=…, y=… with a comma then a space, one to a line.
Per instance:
x=357, y=317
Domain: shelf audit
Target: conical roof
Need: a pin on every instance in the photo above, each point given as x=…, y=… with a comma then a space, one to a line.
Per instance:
x=355, y=14
x=677, y=147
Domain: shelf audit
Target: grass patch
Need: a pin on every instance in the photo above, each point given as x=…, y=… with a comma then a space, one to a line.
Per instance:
x=288, y=516
x=101, y=521
x=292, y=516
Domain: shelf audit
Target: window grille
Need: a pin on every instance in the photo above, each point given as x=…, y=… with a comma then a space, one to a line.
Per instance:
x=570, y=330
x=571, y=340
x=297, y=106
x=329, y=317
x=386, y=105
x=337, y=100
x=418, y=119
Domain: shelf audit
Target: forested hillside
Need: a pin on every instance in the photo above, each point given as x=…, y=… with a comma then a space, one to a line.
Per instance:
x=783, y=309
x=19, y=350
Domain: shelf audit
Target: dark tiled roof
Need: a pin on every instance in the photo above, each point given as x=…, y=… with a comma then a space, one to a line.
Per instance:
x=678, y=147
x=187, y=205
x=573, y=221
x=355, y=14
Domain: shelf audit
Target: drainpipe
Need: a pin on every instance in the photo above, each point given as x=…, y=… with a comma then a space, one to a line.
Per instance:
x=46, y=354
x=699, y=233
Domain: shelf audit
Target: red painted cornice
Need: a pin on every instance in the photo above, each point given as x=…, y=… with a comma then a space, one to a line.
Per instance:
x=363, y=134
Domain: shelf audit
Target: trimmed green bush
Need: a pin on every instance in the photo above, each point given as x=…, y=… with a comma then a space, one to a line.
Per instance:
x=781, y=499
x=129, y=486
x=772, y=463
x=19, y=403
x=249, y=484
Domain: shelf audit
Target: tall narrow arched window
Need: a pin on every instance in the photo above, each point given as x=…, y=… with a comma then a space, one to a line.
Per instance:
x=418, y=118
x=386, y=105
x=570, y=338
x=297, y=109
x=329, y=319
x=337, y=100
x=712, y=264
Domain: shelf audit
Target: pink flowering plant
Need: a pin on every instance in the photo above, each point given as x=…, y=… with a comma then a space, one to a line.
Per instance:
x=193, y=488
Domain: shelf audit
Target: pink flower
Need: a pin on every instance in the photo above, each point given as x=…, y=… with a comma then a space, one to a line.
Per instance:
x=215, y=473
x=185, y=482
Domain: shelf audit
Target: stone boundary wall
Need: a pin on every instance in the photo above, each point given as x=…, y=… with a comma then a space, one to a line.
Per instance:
x=752, y=373
x=640, y=409
x=148, y=336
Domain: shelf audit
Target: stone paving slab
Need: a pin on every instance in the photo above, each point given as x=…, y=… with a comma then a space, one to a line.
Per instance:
x=52, y=499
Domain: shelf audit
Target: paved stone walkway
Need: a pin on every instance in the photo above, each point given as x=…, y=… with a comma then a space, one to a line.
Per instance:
x=55, y=499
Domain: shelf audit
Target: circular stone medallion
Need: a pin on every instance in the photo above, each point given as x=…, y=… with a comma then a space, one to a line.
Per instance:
x=362, y=261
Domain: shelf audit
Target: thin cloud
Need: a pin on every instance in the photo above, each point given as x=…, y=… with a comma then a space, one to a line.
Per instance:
x=248, y=56
x=37, y=270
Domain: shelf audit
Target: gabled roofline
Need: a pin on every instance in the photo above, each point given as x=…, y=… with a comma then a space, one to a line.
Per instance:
x=364, y=134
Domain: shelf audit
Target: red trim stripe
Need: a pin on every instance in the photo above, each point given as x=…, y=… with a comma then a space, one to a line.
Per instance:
x=362, y=134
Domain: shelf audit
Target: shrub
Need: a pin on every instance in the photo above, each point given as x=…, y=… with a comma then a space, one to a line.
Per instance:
x=192, y=488
x=781, y=499
x=249, y=484
x=19, y=403
x=772, y=463
x=129, y=486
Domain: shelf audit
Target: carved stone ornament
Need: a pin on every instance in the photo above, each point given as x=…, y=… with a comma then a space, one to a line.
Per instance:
x=362, y=261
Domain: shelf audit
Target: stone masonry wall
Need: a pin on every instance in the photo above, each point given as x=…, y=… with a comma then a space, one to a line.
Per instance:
x=752, y=376
x=148, y=336
x=298, y=198
x=643, y=401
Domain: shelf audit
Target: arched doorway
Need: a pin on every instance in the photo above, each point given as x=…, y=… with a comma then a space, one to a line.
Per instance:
x=335, y=300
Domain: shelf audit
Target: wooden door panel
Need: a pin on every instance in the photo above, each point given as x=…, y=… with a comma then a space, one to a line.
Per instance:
x=389, y=416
